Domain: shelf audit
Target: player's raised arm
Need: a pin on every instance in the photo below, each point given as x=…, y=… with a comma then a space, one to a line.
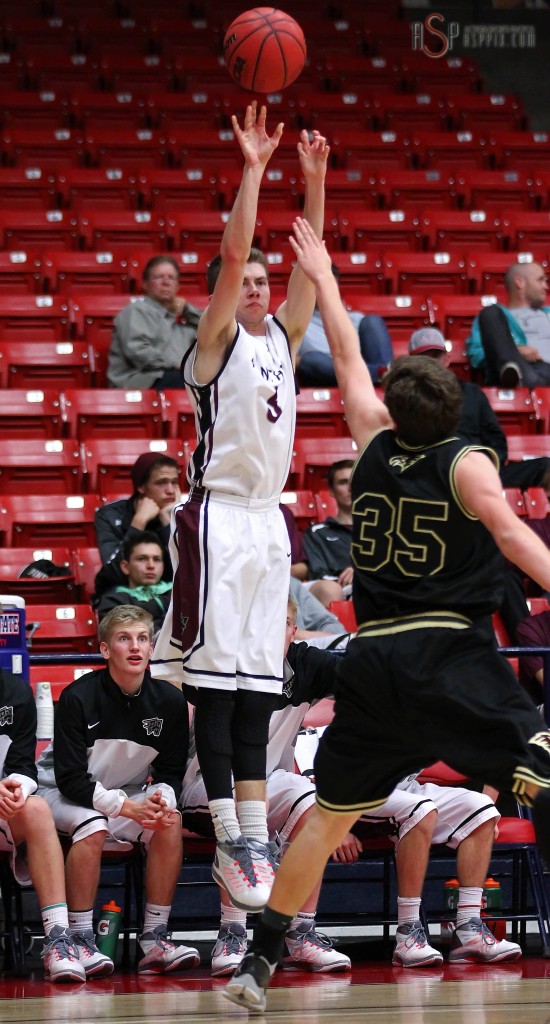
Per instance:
x=217, y=325
x=365, y=412
x=297, y=310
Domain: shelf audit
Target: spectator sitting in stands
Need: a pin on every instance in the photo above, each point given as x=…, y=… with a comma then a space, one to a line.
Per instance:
x=512, y=343
x=478, y=423
x=115, y=773
x=328, y=544
x=27, y=830
x=156, y=490
x=143, y=565
x=314, y=361
x=313, y=619
x=152, y=335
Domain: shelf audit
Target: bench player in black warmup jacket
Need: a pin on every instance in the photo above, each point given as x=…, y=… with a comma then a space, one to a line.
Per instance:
x=423, y=679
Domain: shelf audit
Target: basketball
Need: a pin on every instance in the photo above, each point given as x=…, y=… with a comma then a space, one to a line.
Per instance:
x=264, y=49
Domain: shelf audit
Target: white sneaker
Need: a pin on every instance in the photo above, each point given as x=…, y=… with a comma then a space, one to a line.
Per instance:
x=243, y=868
x=473, y=943
x=60, y=956
x=163, y=956
x=412, y=948
x=95, y=963
x=230, y=948
x=307, y=948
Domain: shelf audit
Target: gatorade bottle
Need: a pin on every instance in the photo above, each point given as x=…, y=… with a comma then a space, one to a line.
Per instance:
x=108, y=929
x=492, y=900
x=450, y=900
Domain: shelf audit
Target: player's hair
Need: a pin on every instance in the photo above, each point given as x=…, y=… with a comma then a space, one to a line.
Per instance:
x=155, y=261
x=335, y=468
x=423, y=398
x=143, y=537
x=162, y=461
x=124, y=615
x=214, y=267
x=293, y=608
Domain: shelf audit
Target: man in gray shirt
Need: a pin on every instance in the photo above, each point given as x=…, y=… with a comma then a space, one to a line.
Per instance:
x=152, y=335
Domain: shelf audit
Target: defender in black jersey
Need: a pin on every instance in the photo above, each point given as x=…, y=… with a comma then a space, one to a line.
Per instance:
x=423, y=679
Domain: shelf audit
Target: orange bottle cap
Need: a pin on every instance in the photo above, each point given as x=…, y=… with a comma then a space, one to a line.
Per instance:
x=112, y=907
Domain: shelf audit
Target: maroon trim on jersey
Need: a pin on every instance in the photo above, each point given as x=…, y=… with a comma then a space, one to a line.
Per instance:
x=187, y=614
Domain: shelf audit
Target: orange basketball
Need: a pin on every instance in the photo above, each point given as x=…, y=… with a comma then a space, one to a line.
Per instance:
x=264, y=49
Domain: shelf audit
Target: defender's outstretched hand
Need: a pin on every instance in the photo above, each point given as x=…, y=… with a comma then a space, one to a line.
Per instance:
x=311, y=252
x=256, y=144
x=313, y=155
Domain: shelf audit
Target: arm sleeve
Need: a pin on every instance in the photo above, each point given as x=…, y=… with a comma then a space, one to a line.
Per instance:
x=20, y=758
x=71, y=761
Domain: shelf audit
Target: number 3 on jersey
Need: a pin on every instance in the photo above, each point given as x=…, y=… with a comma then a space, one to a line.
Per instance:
x=402, y=535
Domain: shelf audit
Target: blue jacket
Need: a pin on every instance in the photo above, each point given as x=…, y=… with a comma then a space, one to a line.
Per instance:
x=474, y=346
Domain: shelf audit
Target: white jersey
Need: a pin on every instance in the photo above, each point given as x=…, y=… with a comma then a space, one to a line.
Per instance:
x=245, y=417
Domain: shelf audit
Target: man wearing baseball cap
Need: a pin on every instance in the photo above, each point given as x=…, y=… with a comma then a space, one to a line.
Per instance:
x=478, y=423
x=155, y=479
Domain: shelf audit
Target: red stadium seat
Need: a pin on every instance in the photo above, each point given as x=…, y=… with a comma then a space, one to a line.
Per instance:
x=450, y=230
x=413, y=190
x=516, y=410
x=486, y=270
x=191, y=111
x=329, y=112
x=62, y=629
x=33, y=317
x=527, y=446
x=325, y=504
x=30, y=414
x=92, y=316
x=378, y=230
x=123, y=147
x=42, y=109
x=166, y=189
x=424, y=273
x=208, y=149
x=454, y=314
x=460, y=74
x=83, y=272
x=107, y=463
x=281, y=187
x=527, y=229
x=496, y=190
x=354, y=149
x=85, y=564
x=103, y=229
x=302, y=506
x=19, y=273
x=536, y=503
x=177, y=414
x=85, y=188
x=345, y=612
x=403, y=314
x=61, y=72
x=360, y=273
x=91, y=110
x=59, y=676
x=53, y=590
x=377, y=74
x=136, y=73
x=38, y=466
x=112, y=413
x=312, y=458
x=44, y=148
x=320, y=413
x=46, y=364
x=538, y=605
x=188, y=228
x=514, y=498
x=486, y=112
x=449, y=150
x=405, y=113
x=541, y=400
x=48, y=520
x=38, y=229
x=521, y=151
x=319, y=714
x=27, y=188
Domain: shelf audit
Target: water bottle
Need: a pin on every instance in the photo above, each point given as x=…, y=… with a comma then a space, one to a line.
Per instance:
x=108, y=929
x=450, y=900
x=492, y=900
x=44, y=711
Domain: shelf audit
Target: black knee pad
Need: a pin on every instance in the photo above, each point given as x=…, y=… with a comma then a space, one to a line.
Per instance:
x=213, y=718
x=253, y=712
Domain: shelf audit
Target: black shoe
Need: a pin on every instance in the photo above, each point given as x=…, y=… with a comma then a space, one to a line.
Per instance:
x=249, y=983
x=509, y=376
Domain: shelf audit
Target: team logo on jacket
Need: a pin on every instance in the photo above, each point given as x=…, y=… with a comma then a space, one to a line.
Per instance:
x=152, y=726
x=6, y=716
x=541, y=739
x=403, y=462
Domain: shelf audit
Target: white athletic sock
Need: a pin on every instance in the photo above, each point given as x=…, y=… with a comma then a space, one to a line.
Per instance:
x=81, y=920
x=56, y=913
x=301, y=916
x=224, y=819
x=232, y=915
x=252, y=819
x=154, y=915
x=408, y=910
x=469, y=903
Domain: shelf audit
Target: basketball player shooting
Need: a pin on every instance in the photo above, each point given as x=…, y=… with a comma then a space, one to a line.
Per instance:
x=423, y=680
x=224, y=636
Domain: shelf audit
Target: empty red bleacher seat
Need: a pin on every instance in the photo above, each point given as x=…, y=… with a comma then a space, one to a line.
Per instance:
x=103, y=229
x=42, y=147
x=406, y=113
x=536, y=503
x=38, y=229
x=37, y=466
x=59, y=676
x=345, y=612
x=378, y=230
x=527, y=229
x=527, y=446
x=27, y=188
x=320, y=413
x=62, y=629
x=85, y=564
x=45, y=364
x=516, y=410
x=454, y=314
x=313, y=456
x=302, y=506
x=178, y=415
x=500, y=190
x=33, y=317
x=360, y=273
x=112, y=413
x=403, y=314
x=98, y=272
x=31, y=414
x=164, y=189
x=48, y=520
x=486, y=112
x=525, y=151
x=84, y=188
x=453, y=230
x=450, y=150
x=402, y=190
x=371, y=149
x=514, y=498
x=19, y=273
x=424, y=273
